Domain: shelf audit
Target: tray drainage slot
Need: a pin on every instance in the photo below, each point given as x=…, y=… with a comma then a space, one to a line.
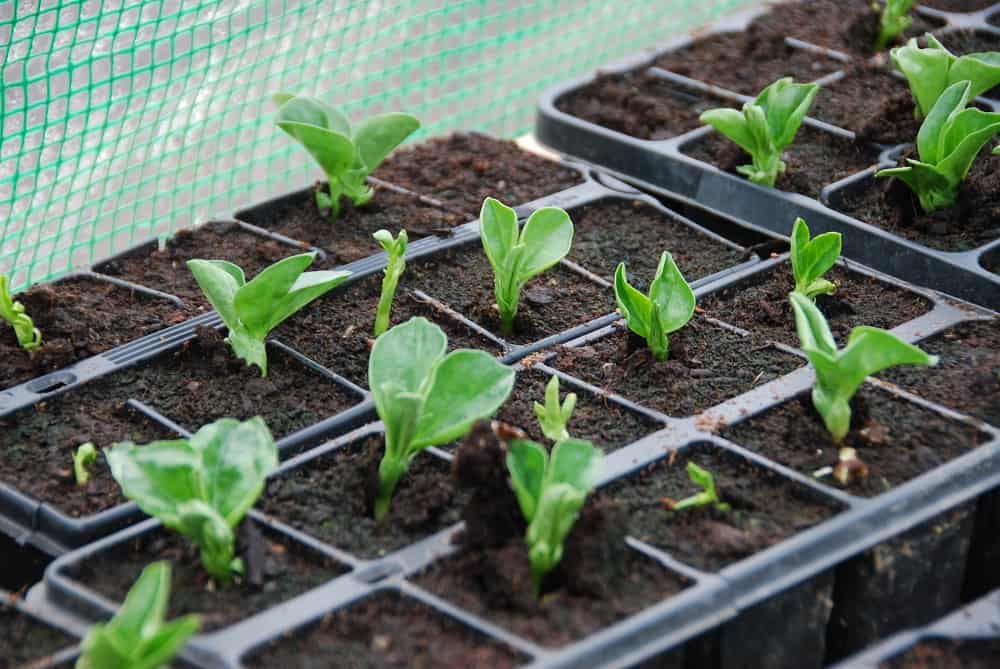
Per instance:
x=51, y=383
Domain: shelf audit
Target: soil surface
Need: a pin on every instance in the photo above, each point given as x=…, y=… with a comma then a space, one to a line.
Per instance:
x=554, y=301
x=332, y=498
x=464, y=169
x=24, y=639
x=746, y=62
x=991, y=261
x=961, y=42
x=79, y=318
x=896, y=439
x=871, y=102
x=636, y=233
x=386, y=630
x=949, y=654
x=639, y=104
x=994, y=20
x=760, y=304
x=967, y=378
x=349, y=237
x=707, y=365
x=889, y=204
x=814, y=160
x=289, y=569
x=24, y=566
x=958, y=5
x=765, y=509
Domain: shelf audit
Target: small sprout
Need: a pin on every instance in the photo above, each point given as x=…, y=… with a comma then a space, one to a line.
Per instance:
x=137, y=637
x=426, y=398
x=813, y=258
x=396, y=250
x=892, y=22
x=948, y=142
x=996, y=151
x=840, y=373
x=83, y=458
x=708, y=496
x=850, y=467
x=551, y=491
x=200, y=487
x=251, y=309
x=552, y=417
x=28, y=336
x=766, y=126
x=668, y=308
x=517, y=256
x=346, y=155
x=932, y=70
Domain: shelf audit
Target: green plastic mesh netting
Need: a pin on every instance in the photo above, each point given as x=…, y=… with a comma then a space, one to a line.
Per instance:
x=127, y=119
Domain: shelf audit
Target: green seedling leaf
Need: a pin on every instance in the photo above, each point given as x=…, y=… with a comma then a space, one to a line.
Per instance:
x=426, y=398
x=839, y=373
x=553, y=417
x=766, y=126
x=252, y=309
x=893, y=20
x=932, y=70
x=396, y=250
x=668, y=307
x=949, y=140
x=28, y=336
x=200, y=487
x=996, y=151
x=812, y=258
x=708, y=496
x=83, y=459
x=518, y=256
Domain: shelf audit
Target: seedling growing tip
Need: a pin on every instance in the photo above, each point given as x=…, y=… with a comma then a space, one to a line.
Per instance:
x=553, y=417
x=396, y=250
x=812, y=258
x=932, y=70
x=708, y=496
x=84, y=458
x=893, y=20
x=668, y=308
x=28, y=336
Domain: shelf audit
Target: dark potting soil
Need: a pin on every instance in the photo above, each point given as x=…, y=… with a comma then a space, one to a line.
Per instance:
x=707, y=365
x=958, y=5
x=897, y=439
x=991, y=261
x=636, y=233
x=994, y=20
x=948, y=654
x=554, y=301
x=386, y=631
x=961, y=42
x=967, y=377
x=746, y=62
x=889, y=204
x=336, y=329
x=79, y=318
x=760, y=304
x=463, y=169
x=872, y=103
x=349, y=236
x=204, y=381
x=332, y=499
x=24, y=639
x=216, y=240
x=765, y=508
x=814, y=160
x=289, y=569
x=24, y=565
x=638, y=104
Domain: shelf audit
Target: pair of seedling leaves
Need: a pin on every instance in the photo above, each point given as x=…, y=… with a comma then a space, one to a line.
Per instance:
x=28, y=336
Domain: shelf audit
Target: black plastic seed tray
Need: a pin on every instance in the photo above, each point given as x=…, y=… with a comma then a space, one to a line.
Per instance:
x=665, y=164
x=52, y=645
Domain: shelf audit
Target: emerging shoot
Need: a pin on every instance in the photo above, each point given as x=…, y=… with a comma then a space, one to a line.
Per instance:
x=839, y=374
x=708, y=495
x=519, y=255
x=553, y=417
x=396, y=250
x=346, y=155
x=766, y=126
x=28, y=336
x=893, y=20
x=551, y=491
x=667, y=308
x=200, y=487
x=426, y=398
x=83, y=459
x=996, y=151
x=811, y=258
x=251, y=309
x=137, y=637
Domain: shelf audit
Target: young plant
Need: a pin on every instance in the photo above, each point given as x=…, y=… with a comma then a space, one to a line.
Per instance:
x=519, y=255
x=346, y=155
x=137, y=637
x=708, y=495
x=396, y=250
x=551, y=491
x=28, y=336
x=426, y=398
x=949, y=140
x=553, y=417
x=839, y=373
x=812, y=258
x=667, y=308
x=766, y=126
x=932, y=70
x=200, y=487
x=251, y=309
x=84, y=458
x=996, y=151
x=893, y=20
